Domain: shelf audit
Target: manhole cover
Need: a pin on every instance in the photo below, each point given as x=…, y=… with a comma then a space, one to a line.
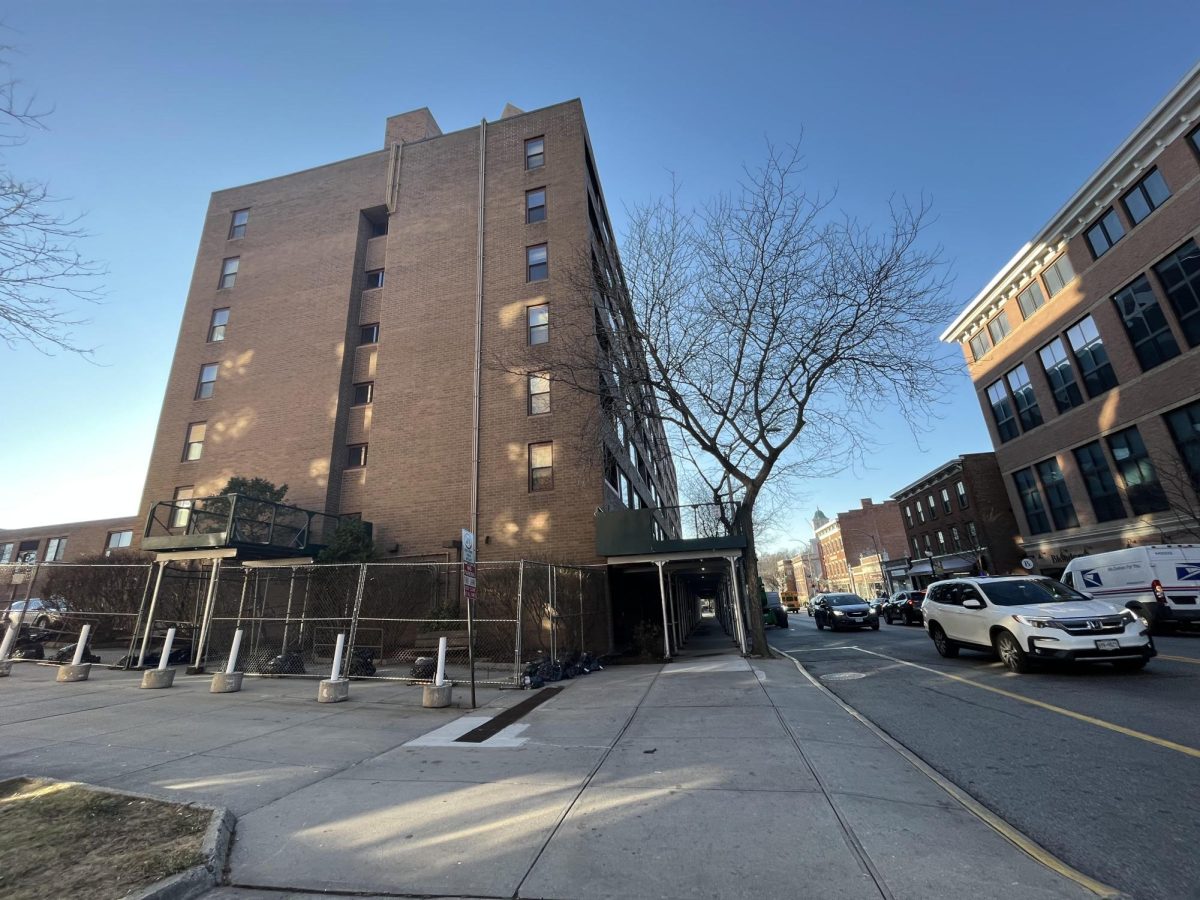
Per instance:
x=843, y=676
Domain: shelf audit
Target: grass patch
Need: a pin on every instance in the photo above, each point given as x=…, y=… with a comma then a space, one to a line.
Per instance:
x=65, y=840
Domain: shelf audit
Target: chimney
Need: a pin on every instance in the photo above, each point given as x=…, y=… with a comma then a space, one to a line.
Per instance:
x=405, y=128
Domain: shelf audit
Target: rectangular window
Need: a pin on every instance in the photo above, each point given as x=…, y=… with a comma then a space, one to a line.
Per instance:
x=118, y=540
x=1147, y=195
x=1179, y=275
x=1031, y=299
x=1031, y=501
x=364, y=393
x=946, y=507
x=208, y=377
x=942, y=543
x=908, y=517
x=6, y=553
x=27, y=552
x=1106, y=232
x=541, y=467
x=181, y=508
x=356, y=456
x=538, y=318
x=1027, y=406
x=373, y=279
x=229, y=270
x=1136, y=472
x=55, y=549
x=1057, y=366
x=1194, y=137
x=1058, y=274
x=537, y=265
x=920, y=510
x=928, y=545
x=1145, y=324
x=1099, y=481
x=1185, y=430
x=539, y=393
x=999, y=328
x=1097, y=371
x=193, y=445
x=932, y=507
x=961, y=489
x=916, y=547
x=368, y=334
x=973, y=534
x=535, y=153
x=979, y=346
x=955, y=537
x=216, y=326
x=1062, y=510
x=1002, y=411
x=237, y=224
x=535, y=206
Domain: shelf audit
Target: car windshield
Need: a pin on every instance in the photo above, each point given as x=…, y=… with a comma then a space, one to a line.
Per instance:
x=917, y=595
x=845, y=600
x=1029, y=591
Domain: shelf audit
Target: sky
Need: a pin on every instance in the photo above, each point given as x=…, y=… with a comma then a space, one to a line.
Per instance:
x=995, y=112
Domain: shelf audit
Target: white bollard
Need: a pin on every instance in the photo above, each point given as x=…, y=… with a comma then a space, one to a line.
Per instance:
x=440, y=678
x=229, y=681
x=166, y=650
x=437, y=695
x=82, y=645
x=162, y=677
x=77, y=669
x=233, y=652
x=335, y=689
x=334, y=673
x=10, y=635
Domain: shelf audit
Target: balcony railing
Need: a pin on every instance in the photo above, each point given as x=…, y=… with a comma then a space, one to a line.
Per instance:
x=629, y=532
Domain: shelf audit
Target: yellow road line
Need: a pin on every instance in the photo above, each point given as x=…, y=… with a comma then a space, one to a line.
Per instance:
x=1186, y=659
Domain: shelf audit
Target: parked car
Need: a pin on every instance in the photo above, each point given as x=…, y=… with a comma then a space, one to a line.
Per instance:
x=905, y=607
x=1028, y=618
x=40, y=613
x=844, y=611
x=810, y=607
x=773, y=611
x=1160, y=582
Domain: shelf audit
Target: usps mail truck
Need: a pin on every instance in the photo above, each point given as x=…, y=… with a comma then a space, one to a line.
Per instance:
x=1161, y=581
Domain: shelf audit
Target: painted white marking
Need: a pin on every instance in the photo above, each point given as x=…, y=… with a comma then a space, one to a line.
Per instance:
x=733, y=664
x=448, y=735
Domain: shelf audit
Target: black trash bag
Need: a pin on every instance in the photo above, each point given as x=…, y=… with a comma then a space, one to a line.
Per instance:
x=181, y=655
x=361, y=662
x=289, y=662
x=27, y=649
x=424, y=667
x=67, y=653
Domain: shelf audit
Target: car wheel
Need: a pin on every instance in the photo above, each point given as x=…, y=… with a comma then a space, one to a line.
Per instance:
x=875, y=625
x=1131, y=665
x=820, y=624
x=945, y=647
x=1008, y=648
x=887, y=617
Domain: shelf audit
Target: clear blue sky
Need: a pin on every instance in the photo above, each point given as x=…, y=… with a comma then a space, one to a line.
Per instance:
x=996, y=111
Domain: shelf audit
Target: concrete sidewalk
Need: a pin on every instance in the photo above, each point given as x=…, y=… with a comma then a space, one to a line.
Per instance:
x=706, y=777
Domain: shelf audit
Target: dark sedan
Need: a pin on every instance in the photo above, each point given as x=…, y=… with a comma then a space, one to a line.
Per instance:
x=844, y=611
x=904, y=606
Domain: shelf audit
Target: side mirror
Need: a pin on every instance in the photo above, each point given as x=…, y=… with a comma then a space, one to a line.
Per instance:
x=972, y=603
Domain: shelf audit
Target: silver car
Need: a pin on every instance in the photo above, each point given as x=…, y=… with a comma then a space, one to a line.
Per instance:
x=41, y=613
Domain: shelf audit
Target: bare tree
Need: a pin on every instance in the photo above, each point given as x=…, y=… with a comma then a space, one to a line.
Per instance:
x=1182, y=492
x=42, y=274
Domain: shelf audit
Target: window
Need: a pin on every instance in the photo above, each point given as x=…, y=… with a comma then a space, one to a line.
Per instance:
x=1030, y=299
x=920, y=510
x=379, y=229
x=979, y=345
x=181, y=507
x=916, y=547
x=229, y=270
x=1062, y=510
x=1058, y=274
x=908, y=515
x=364, y=393
x=928, y=545
x=962, y=495
x=946, y=501
x=208, y=377
x=1027, y=406
x=973, y=534
x=1099, y=481
x=932, y=507
x=538, y=318
x=1145, y=324
x=539, y=393
x=1136, y=472
x=237, y=224
x=1097, y=371
x=535, y=206
x=537, y=266
x=356, y=456
x=1185, y=430
x=27, y=551
x=1031, y=501
x=118, y=540
x=1179, y=275
x=942, y=543
x=1105, y=233
x=1002, y=412
x=1194, y=137
x=535, y=153
x=1060, y=375
x=999, y=328
x=216, y=327
x=193, y=445
x=368, y=334
x=1147, y=195
x=6, y=553
x=955, y=537
x=55, y=549
x=373, y=279
x=541, y=467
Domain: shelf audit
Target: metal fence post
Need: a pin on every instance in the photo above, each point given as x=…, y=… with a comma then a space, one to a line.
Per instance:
x=202, y=647
x=358, y=596
x=137, y=625
x=150, y=615
x=520, y=599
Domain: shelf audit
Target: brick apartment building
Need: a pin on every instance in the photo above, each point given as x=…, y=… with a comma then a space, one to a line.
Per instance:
x=69, y=542
x=957, y=520
x=1083, y=351
x=807, y=567
x=874, y=530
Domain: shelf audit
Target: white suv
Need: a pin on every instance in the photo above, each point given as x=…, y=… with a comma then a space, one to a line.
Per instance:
x=1026, y=618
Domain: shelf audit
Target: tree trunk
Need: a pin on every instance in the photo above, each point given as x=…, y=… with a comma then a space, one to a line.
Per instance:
x=744, y=519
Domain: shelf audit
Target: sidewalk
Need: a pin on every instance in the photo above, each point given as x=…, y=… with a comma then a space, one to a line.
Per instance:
x=706, y=777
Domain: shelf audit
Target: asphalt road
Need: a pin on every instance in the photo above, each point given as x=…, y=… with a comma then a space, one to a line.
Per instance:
x=1100, y=768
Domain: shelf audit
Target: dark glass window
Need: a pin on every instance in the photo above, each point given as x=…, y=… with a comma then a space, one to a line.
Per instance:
x=539, y=393
x=1097, y=371
x=942, y=543
x=538, y=318
x=1031, y=501
x=373, y=279
x=916, y=547
x=364, y=393
x=208, y=378
x=356, y=456
x=955, y=537
x=1147, y=195
x=369, y=334
x=229, y=270
x=1185, y=430
x=1062, y=510
x=535, y=206
x=908, y=516
x=216, y=327
x=1194, y=137
x=946, y=501
x=1030, y=299
x=979, y=346
x=537, y=265
x=237, y=224
x=961, y=489
x=932, y=507
x=1136, y=472
x=541, y=466
x=999, y=328
x=1022, y=391
x=193, y=444
x=1145, y=324
x=1099, y=481
x=1060, y=375
x=181, y=508
x=1105, y=233
x=1179, y=275
x=535, y=153
x=1002, y=412
x=920, y=510
x=1058, y=274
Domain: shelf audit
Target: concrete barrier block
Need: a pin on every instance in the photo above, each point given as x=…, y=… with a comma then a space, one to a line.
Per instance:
x=158, y=678
x=226, y=682
x=69, y=672
x=5, y=667
x=436, y=696
x=333, y=690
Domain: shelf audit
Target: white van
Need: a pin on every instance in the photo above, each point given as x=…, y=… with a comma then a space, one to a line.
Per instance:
x=1161, y=581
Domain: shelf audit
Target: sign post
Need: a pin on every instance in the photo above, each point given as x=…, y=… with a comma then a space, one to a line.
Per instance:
x=469, y=584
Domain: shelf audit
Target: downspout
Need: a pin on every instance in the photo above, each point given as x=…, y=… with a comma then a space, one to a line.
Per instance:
x=478, y=337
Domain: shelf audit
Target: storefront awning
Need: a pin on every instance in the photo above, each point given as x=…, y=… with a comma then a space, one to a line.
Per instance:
x=920, y=568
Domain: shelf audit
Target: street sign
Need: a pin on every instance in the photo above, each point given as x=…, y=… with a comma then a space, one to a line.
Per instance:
x=468, y=555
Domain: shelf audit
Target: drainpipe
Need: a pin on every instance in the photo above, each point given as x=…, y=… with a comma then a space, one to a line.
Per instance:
x=478, y=337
